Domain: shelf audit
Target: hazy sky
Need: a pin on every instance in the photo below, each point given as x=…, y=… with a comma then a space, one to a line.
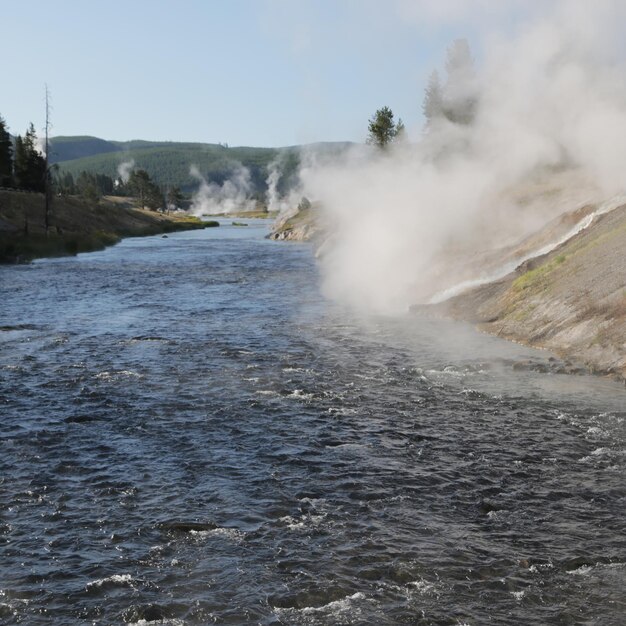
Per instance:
x=245, y=72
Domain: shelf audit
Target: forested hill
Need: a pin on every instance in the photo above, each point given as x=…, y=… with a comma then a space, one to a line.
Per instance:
x=169, y=163
x=69, y=148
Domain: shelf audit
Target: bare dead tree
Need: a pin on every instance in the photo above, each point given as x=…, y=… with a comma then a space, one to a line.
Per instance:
x=47, y=185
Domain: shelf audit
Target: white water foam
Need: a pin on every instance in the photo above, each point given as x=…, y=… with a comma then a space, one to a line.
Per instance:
x=161, y=621
x=115, y=579
x=300, y=395
x=337, y=605
x=303, y=523
x=233, y=534
x=113, y=375
x=422, y=586
x=336, y=608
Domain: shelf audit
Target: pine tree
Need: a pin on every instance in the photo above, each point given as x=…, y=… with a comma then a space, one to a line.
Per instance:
x=29, y=165
x=382, y=128
x=20, y=164
x=149, y=194
x=155, y=199
x=87, y=187
x=460, y=93
x=400, y=131
x=174, y=198
x=36, y=162
x=6, y=156
x=433, y=99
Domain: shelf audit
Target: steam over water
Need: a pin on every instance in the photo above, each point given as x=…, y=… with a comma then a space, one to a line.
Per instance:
x=190, y=433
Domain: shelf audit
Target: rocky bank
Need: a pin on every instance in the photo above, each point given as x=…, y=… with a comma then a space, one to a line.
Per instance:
x=563, y=288
x=571, y=300
x=302, y=225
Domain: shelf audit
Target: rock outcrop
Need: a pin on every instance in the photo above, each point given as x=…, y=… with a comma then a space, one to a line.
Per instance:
x=303, y=225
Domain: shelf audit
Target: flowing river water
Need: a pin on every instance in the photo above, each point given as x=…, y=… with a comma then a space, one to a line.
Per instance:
x=191, y=434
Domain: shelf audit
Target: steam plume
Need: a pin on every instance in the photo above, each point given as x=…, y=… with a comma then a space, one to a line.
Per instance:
x=548, y=133
x=233, y=195
x=125, y=169
x=282, y=204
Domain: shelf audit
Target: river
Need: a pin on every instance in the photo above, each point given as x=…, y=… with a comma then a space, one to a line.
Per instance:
x=192, y=434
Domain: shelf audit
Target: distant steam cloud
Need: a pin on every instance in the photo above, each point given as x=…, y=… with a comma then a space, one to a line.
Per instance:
x=273, y=198
x=546, y=133
x=231, y=196
x=124, y=170
x=283, y=204
x=40, y=145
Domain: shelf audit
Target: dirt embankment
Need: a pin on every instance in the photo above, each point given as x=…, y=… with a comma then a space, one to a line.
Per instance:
x=75, y=225
x=571, y=300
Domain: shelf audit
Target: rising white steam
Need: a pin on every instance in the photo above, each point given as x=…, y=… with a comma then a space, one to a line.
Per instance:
x=282, y=204
x=124, y=170
x=40, y=145
x=273, y=198
x=548, y=133
x=231, y=196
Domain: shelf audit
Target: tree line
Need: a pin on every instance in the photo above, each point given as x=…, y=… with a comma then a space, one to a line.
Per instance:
x=453, y=101
x=24, y=167
x=138, y=185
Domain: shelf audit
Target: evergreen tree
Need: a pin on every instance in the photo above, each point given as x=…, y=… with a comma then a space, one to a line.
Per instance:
x=139, y=183
x=6, y=156
x=155, y=200
x=87, y=187
x=67, y=184
x=460, y=93
x=174, y=198
x=433, y=99
x=29, y=165
x=400, y=134
x=36, y=162
x=20, y=163
x=148, y=193
x=382, y=128
x=64, y=184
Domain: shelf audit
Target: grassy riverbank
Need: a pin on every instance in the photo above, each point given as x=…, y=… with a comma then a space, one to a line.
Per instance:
x=76, y=225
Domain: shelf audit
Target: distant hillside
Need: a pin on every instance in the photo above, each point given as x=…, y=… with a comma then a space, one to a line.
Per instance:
x=168, y=163
x=68, y=148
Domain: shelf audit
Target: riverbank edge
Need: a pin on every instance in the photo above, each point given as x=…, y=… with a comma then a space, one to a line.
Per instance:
x=570, y=302
x=301, y=225
x=77, y=225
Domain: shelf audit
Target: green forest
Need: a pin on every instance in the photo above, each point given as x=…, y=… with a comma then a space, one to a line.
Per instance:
x=22, y=165
x=169, y=163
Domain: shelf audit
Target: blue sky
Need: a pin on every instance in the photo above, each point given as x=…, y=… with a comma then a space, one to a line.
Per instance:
x=245, y=72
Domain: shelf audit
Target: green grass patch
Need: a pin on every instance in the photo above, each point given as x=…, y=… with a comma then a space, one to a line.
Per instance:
x=535, y=277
